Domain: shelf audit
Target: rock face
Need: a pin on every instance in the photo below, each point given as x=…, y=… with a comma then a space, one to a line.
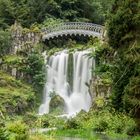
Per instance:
x=98, y=88
x=57, y=105
x=99, y=91
x=23, y=41
x=24, y=38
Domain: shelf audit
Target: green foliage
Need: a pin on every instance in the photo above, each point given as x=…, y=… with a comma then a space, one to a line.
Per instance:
x=99, y=102
x=72, y=124
x=117, y=63
x=132, y=95
x=17, y=131
x=136, y=138
x=6, y=17
x=13, y=61
x=5, y=42
x=50, y=22
x=34, y=68
x=16, y=97
x=30, y=119
x=17, y=127
x=107, y=121
x=111, y=124
x=76, y=133
x=3, y=134
x=124, y=23
x=53, y=51
x=30, y=63
x=50, y=121
x=57, y=105
x=120, y=71
x=123, y=33
x=102, y=80
x=39, y=136
x=33, y=11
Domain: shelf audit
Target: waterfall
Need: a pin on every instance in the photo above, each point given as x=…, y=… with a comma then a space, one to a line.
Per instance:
x=76, y=96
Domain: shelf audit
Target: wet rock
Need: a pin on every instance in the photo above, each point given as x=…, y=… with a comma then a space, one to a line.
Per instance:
x=57, y=105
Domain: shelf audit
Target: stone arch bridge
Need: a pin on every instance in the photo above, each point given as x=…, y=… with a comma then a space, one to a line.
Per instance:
x=73, y=28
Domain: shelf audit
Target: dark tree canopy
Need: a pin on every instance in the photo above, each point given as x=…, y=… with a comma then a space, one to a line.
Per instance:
x=28, y=12
x=124, y=36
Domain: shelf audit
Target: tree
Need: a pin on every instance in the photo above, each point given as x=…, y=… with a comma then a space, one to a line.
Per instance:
x=123, y=25
x=124, y=35
x=34, y=68
x=5, y=42
x=34, y=11
x=6, y=13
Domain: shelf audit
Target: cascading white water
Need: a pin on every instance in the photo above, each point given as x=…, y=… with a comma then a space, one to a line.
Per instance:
x=76, y=96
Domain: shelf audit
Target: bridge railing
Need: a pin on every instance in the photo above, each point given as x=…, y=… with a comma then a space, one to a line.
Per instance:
x=74, y=26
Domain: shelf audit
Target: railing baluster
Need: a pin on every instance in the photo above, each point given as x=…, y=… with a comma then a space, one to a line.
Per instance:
x=65, y=28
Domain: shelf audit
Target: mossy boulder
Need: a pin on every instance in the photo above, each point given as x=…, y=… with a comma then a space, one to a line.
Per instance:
x=3, y=83
x=57, y=104
x=99, y=102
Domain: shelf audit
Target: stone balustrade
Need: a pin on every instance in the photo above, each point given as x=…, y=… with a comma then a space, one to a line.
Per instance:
x=73, y=28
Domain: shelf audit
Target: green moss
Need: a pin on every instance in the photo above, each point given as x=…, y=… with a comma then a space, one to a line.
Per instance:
x=26, y=30
x=9, y=58
x=13, y=60
x=57, y=105
x=53, y=51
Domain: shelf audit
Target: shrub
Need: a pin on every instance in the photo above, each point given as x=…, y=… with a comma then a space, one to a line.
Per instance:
x=5, y=42
x=49, y=121
x=3, y=134
x=101, y=126
x=113, y=122
x=34, y=68
x=17, y=130
x=72, y=124
x=107, y=121
x=37, y=137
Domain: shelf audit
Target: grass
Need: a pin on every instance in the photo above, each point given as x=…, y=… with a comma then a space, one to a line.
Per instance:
x=9, y=87
x=71, y=133
x=12, y=58
x=15, y=96
x=75, y=133
x=136, y=138
x=89, y=134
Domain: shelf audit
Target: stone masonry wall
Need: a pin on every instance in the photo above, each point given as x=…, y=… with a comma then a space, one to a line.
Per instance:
x=23, y=38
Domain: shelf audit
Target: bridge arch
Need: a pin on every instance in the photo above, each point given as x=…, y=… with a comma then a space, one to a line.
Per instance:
x=73, y=28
